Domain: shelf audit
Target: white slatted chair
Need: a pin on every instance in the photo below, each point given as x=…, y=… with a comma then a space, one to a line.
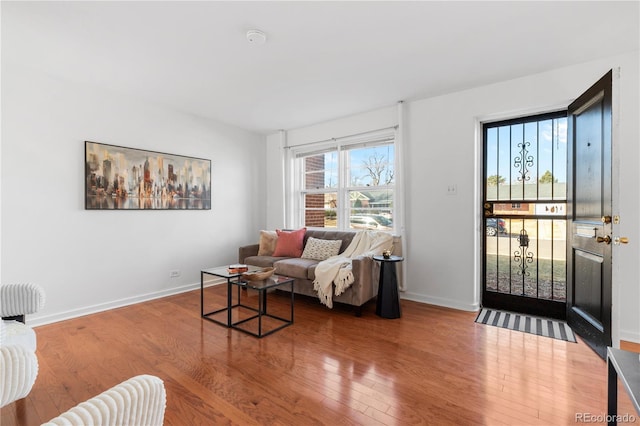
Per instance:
x=139, y=401
x=18, y=372
x=17, y=301
x=18, y=361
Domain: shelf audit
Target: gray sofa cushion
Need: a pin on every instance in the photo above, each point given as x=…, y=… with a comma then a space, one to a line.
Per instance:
x=296, y=267
x=345, y=236
x=262, y=261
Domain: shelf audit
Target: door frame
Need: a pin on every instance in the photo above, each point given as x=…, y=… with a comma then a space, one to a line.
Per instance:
x=479, y=221
x=497, y=300
x=479, y=154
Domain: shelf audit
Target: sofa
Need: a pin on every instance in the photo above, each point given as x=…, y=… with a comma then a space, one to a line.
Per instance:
x=365, y=269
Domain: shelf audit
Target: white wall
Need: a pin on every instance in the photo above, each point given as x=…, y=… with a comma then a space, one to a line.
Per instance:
x=275, y=206
x=442, y=147
x=365, y=122
x=94, y=260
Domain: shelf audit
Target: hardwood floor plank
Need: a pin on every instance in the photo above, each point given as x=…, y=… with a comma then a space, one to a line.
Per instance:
x=432, y=366
x=630, y=346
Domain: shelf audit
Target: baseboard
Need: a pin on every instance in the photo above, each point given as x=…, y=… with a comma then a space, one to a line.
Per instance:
x=36, y=320
x=629, y=336
x=440, y=301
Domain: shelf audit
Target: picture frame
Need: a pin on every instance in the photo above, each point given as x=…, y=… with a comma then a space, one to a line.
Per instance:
x=123, y=178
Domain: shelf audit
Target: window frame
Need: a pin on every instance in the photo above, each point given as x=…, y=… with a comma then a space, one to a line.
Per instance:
x=343, y=188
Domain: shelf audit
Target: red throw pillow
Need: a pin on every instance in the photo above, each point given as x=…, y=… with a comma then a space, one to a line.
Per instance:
x=290, y=243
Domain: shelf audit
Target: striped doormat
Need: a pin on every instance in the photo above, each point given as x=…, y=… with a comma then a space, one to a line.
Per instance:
x=526, y=323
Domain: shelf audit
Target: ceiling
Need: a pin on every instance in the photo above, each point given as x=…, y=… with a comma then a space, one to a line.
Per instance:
x=322, y=60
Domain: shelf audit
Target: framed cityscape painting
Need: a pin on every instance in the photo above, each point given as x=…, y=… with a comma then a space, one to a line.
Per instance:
x=120, y=178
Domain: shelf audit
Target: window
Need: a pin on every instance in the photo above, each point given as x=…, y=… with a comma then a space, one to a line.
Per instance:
x=346, y=187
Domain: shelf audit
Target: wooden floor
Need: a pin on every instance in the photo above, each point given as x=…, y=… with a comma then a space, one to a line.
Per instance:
x=432, y=366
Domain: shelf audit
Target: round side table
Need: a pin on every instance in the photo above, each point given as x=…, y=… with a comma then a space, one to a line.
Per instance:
x=388, y=301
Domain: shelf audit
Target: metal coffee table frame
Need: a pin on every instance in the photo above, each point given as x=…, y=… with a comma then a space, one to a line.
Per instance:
x=234, y=279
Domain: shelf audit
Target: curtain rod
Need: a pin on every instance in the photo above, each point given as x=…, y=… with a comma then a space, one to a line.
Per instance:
x=342, y=137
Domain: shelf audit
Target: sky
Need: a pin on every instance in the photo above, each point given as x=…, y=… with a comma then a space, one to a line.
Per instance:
x=357, y=157
x=545, y=143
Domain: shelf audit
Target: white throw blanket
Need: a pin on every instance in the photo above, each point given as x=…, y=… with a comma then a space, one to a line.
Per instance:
x=338, y=269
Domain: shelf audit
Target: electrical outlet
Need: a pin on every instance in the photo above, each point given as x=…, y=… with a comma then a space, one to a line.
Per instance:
x=174, y=273
x=452, y=189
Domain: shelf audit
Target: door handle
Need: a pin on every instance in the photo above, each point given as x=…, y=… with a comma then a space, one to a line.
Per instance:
x=606, y=239
x=606, y=219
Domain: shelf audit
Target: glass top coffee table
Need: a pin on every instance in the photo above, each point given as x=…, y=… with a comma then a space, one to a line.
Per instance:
x=240, y=316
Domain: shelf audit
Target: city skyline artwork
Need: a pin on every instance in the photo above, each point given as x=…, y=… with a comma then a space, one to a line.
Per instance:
x=121, y=178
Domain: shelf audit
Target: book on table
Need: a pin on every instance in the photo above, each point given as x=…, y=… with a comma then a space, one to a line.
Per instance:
x=237, y=268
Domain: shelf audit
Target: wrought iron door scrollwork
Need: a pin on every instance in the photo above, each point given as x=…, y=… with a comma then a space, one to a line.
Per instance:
x=523, y=162
x=523, y=257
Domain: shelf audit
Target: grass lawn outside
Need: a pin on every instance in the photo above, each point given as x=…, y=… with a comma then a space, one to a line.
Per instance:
x=542, y=278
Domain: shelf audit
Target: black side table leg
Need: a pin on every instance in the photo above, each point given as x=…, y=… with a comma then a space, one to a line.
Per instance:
x=612, y=394
x=201, y=294
x=229, y=301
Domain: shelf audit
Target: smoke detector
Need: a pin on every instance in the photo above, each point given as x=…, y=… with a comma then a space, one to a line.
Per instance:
x=256, y=37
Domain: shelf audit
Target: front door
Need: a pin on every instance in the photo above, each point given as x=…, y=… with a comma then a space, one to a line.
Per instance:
x=589, y=216
x=524, y=205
